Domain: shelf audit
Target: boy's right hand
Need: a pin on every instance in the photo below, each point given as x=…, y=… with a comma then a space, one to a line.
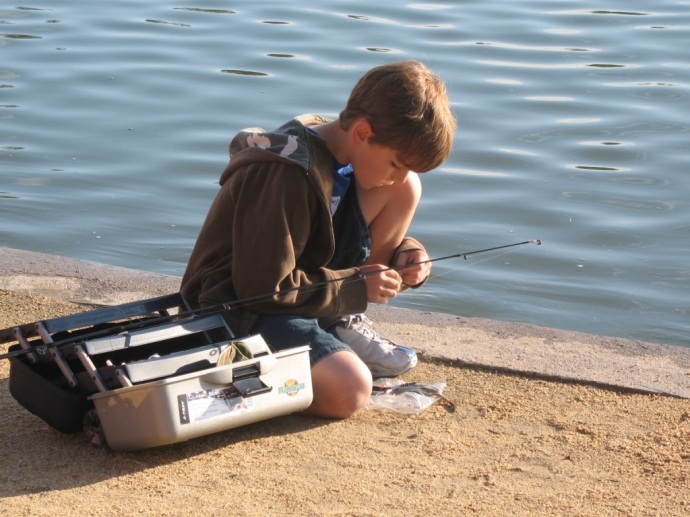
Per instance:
x=382, y=282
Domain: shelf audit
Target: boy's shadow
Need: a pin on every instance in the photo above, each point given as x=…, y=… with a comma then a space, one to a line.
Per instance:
x=37, y=458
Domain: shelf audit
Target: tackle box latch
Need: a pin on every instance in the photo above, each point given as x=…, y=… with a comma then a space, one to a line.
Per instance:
x=246, y=380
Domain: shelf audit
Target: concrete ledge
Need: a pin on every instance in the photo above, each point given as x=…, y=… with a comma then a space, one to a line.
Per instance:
x=514, y=347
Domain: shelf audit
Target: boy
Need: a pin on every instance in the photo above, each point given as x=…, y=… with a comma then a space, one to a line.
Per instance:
x=317, y=212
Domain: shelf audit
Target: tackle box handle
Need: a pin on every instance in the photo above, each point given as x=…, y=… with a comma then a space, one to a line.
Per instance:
x=228, y=375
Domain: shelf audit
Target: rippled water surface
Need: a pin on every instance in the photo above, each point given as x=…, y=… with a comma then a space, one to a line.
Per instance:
x=574, y=129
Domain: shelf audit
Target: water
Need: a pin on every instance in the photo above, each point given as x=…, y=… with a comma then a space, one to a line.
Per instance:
x=115, y=119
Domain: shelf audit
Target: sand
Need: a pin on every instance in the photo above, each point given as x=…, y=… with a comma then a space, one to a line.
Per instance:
x=517, y=444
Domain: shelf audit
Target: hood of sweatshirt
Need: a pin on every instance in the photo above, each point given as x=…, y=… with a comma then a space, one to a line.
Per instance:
x=289, y=143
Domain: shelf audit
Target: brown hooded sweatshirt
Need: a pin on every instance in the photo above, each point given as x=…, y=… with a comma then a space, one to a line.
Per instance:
x=269, y=229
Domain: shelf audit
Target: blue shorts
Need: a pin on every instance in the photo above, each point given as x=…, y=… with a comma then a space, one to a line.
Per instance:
x=353, y=246
x=287, y=331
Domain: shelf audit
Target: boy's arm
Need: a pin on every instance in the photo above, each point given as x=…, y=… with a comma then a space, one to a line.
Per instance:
x=275, y=249
x=411, y=251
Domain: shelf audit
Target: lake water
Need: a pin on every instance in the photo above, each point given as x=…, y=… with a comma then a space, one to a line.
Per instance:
x=574, y=128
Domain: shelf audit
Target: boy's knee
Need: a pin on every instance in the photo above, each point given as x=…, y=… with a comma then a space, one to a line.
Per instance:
x=353, y=397
x=342, y=386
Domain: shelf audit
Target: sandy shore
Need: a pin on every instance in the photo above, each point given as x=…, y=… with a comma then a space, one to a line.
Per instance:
x=548, y=422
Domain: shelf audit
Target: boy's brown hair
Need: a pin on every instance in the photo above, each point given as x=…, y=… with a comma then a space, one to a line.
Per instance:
x=408, y=109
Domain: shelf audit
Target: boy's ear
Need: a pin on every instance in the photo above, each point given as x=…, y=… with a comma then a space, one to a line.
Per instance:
x=361, y=131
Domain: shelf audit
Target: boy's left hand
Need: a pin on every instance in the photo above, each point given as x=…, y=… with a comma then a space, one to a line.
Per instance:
x=410, y=270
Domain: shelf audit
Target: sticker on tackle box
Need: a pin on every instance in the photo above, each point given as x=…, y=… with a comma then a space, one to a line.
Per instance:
x=207, y=404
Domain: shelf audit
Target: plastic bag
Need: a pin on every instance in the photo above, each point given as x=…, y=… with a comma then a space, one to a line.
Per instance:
x=404, y=397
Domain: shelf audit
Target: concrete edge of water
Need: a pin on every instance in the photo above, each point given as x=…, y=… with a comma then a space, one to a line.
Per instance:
x=519, y=348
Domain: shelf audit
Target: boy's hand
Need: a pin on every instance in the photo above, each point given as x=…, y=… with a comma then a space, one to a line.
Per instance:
x=413, y=275
x=382, y=282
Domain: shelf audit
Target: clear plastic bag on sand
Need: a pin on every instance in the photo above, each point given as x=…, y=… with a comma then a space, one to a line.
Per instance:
x=404, y=397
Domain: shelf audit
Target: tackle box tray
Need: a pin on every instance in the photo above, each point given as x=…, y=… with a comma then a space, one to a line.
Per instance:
x=149, y=371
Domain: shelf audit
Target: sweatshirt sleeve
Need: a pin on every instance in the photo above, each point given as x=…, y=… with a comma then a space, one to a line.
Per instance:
x=408, y=244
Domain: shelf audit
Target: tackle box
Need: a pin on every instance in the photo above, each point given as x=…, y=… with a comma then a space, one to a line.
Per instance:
x=147, y=373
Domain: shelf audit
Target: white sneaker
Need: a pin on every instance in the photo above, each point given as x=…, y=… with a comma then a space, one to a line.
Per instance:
x=383, y=357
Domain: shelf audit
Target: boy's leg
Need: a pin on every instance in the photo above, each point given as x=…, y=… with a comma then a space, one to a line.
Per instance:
x=341, y=381
x=342, y=385
x=388, y=211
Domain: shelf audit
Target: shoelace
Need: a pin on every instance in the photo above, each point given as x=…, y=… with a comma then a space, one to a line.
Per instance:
x=360, y=322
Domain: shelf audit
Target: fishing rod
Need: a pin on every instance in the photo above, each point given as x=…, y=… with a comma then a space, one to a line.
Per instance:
x=469, y=253
x=362, y=275
x=234, y=304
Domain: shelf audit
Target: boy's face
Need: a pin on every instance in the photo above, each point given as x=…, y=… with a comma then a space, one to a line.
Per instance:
x=377, y=166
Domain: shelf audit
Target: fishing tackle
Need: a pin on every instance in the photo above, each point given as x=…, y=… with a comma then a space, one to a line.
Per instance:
x=226, y=306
